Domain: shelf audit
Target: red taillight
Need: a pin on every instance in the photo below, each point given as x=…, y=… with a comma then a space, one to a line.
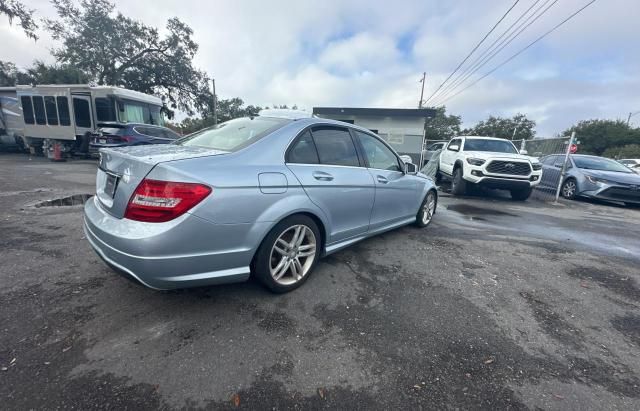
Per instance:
x=127, y=139
x=159, y=201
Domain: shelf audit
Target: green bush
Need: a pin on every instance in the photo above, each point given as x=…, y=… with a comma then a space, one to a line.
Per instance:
x=627, y=151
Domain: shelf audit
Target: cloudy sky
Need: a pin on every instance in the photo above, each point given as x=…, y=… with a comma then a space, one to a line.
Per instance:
x=372, y=53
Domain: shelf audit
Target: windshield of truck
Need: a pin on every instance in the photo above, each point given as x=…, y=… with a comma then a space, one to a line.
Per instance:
x=599, y=163
x=493, y=146
x=234, y=135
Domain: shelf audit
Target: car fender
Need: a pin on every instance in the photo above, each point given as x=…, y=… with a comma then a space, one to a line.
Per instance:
x=424, y=186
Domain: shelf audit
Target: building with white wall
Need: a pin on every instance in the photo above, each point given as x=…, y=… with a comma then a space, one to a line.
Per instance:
x=402, y=128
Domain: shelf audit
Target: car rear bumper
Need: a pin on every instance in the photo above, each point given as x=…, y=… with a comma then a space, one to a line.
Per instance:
x=185, y=252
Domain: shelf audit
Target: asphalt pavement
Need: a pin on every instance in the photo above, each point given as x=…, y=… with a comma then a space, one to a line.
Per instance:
x=496, y=305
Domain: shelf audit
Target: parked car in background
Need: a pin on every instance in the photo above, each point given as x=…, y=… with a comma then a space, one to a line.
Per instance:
x=432, y=148
x=488, y=162
x=131, y=134
x=591, y=176
x=268, y=195
x=632, y=163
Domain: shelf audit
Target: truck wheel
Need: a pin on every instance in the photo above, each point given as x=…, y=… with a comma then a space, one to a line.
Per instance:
x=458, y=184
x=521, y=194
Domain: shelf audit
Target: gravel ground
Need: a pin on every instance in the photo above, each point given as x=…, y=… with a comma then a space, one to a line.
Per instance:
x=496, y=305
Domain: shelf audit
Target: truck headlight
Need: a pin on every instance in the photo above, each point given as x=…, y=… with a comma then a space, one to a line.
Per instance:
x=537, y=166
x=476, y=161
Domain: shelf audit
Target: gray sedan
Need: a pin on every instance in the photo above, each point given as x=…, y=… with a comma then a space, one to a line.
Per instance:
x=261, y=195
x=591, y=176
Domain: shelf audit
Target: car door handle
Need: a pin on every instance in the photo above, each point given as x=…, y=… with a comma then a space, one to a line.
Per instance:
x=382, y=180
x=322, y=176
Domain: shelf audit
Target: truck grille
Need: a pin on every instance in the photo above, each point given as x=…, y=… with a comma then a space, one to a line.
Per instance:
x=515, y=168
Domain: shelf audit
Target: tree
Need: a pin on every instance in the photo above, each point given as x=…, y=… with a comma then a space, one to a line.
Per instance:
x=226, y=110
x=596, y=136
x=443, y=126
x=116, y=50
x=40, y=73
x=626, y=151
x=503, y=127
x=14, y=9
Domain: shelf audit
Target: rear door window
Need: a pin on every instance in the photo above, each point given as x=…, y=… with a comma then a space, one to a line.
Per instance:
x=52, y=111
x=303, y=151
x=27, y=109
x=38, y=108
x=63, y=111
x=335, y=146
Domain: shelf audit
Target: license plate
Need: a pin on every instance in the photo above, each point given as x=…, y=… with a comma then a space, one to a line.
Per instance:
x=102, y=141
x=110, y=185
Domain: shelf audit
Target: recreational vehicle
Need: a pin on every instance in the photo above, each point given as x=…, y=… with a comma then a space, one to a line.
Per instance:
x=65, y=115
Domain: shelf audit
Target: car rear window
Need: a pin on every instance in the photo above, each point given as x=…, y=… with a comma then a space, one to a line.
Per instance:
x=234, y=135
x=110, y=130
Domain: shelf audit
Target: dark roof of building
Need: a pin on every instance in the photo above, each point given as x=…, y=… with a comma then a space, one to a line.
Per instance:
x=377, y=112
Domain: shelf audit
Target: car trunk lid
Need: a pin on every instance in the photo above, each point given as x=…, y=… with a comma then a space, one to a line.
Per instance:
x=121, y=169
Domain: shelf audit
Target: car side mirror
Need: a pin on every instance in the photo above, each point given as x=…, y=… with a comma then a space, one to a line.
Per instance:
x=524, y=152
x=406, y=158
x=410, y=168
x=454, y=148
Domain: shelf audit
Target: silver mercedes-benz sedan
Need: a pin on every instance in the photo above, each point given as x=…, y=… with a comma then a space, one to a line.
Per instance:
x=262, y=195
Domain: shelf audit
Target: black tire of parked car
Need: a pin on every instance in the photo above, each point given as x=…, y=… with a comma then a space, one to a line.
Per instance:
x=458, y=184
x=261, y=263
x=566, y=189
x=431, y=195
x=521, y=194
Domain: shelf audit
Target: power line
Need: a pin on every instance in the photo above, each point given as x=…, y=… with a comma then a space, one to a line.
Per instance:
x=501, y=47
x=474, y=49
x=490, y=49
x=524, y=49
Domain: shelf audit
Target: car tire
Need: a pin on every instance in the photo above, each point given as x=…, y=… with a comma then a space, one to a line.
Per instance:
x=521, y=194
x=427, y=209
x=280, y=249
x=458, y=184
x=569, y=189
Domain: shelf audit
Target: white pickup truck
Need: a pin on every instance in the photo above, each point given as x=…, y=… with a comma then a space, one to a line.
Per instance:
x=488, y=162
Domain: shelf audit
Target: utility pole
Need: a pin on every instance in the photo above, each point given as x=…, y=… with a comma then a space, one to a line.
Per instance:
x=215, y=103
x=631, y=114
x=424, y=77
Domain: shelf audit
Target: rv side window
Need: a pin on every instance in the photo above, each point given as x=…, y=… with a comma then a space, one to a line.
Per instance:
x=38, y=107
x=52, y=112
x=104, y=109
x=82, y=113
x=27, y=109
x=63, y=111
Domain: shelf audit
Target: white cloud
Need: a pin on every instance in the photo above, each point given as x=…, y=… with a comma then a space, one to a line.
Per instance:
x=372, y=53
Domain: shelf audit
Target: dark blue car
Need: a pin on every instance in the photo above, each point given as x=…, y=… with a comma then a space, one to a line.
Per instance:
x=131, y=134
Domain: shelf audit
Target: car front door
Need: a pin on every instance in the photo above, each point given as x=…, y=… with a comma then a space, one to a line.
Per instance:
x=396, y=195
x=448, y=155
x=325, y=161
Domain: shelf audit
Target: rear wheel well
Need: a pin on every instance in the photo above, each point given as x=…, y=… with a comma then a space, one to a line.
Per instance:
x=323, y=233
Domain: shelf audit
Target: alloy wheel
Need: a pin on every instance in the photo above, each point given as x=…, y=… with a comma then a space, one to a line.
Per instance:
x=428, y=209
x=292, y=254
x=569, y=189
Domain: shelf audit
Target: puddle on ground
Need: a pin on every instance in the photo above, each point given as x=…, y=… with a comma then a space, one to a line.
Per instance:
x=73, y=200
x=473, y=212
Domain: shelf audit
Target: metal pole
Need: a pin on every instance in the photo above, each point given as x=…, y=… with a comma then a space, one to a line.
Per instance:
x=424, y=76
x=564, y=165
x=514, y=133
x=215, y=103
